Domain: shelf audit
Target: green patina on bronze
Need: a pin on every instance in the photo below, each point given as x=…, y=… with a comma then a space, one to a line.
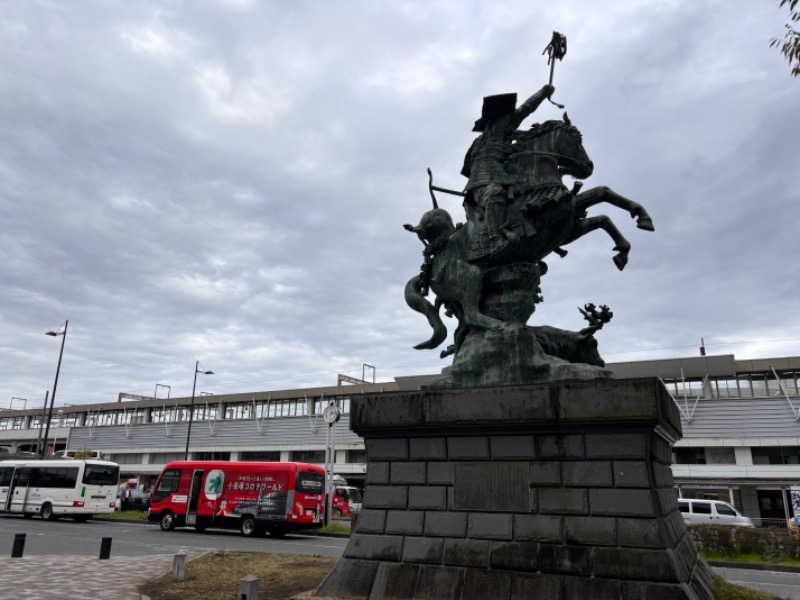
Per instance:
x=487, y=271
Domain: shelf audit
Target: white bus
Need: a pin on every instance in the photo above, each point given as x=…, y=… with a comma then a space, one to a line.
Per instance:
x=58, y=488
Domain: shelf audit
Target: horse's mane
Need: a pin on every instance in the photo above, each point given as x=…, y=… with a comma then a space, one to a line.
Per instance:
x=540, y=129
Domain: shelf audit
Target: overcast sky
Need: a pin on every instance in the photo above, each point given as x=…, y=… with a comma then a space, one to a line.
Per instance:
x=226, y=181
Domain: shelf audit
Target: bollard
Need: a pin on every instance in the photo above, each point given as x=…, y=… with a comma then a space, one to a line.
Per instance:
x=19, y=545
x=248, y=588
x=179, y=567
x=105, y=548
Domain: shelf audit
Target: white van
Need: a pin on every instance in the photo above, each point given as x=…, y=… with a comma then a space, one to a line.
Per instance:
x=711, y=512
x=70, y=454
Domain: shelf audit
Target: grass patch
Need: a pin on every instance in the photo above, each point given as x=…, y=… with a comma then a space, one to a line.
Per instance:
x=282, y=576
x=216, y=576
x=728, y=591
x=749, y=558
x=125, y=515
x=333, y=528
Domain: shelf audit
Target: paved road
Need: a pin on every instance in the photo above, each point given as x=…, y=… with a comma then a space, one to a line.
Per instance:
x=64, y=537
x=783, y=585
x=61, y=562
x=61, y=558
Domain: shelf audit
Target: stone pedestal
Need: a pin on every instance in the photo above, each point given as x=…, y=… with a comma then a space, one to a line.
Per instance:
x=557, y=491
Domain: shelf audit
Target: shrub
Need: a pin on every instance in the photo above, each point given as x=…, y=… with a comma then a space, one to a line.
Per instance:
x=754, y=541
x=770, y=544
x=713, y=538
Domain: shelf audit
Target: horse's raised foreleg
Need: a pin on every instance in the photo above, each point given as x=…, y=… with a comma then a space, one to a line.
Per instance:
x=622, y=246
x=605, y=194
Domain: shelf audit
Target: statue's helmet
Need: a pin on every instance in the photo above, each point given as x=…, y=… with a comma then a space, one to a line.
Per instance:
x=495, y=107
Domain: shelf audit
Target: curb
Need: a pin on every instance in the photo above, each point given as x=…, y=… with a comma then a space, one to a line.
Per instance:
x=753, y=566
x=128, y=521
x=136, y=522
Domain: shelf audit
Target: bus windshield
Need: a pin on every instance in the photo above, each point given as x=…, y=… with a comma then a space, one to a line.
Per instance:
x=101, y=474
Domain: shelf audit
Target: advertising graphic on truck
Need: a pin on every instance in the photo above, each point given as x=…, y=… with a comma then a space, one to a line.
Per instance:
x=254, y=497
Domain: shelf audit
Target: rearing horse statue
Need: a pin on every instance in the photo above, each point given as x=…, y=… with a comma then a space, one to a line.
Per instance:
x=543, y=215
x=542, y=155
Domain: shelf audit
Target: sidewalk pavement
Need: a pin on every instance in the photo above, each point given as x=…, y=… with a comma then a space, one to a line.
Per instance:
x=60, y=577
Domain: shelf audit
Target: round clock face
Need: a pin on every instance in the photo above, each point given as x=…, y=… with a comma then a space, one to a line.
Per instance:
x=330, y=414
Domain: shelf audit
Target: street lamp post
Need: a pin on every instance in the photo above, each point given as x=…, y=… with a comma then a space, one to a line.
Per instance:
x=197, y=370
x=63, y=335
x=41, y=423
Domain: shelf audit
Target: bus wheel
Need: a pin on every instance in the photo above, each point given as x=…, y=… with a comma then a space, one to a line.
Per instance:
x=167, y=521
x=80, y=518
x=47, y=512
x=337, y=513
x=248, y=526
x=277, y=533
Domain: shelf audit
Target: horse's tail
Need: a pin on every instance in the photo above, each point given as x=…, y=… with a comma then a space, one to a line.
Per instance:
x=417, y=301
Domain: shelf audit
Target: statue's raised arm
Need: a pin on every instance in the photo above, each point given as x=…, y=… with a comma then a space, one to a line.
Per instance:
x=530, y=105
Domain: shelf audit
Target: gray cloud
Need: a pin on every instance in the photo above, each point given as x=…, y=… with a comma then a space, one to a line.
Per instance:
x=226, y=181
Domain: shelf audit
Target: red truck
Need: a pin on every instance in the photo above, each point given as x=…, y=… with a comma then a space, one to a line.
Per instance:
x=346, y=501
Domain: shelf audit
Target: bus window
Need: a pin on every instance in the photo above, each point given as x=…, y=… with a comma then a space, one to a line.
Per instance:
x=167, y=484
x=21, y=477
x=310, y=483
x=101, y=475
x=5, y=476
x=57, y=477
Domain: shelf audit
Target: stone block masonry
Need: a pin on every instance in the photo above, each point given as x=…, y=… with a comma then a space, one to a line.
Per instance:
x=560, y=491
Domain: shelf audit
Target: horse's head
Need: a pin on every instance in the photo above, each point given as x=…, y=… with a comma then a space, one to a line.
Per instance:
x=564, y=141
x=570, y=145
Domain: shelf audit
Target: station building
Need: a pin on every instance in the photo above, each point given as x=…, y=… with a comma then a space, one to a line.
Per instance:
x=741, y=428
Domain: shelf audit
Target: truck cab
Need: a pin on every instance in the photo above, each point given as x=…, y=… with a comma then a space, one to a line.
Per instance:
x=346, y=500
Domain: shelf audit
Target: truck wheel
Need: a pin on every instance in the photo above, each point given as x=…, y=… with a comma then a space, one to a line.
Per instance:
x=167, y=521
x=248, y=526
x=47, y=512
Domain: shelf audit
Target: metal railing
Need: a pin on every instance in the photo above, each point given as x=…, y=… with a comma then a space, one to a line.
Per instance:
x=770, y=523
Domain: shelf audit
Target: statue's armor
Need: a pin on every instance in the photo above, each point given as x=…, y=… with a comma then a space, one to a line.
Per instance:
x=484, y=162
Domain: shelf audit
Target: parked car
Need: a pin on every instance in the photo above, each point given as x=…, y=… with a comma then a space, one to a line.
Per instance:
x=138, y=500
x=70, y=454
x=7, y=451
x=712, y=512
x=133, y=500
